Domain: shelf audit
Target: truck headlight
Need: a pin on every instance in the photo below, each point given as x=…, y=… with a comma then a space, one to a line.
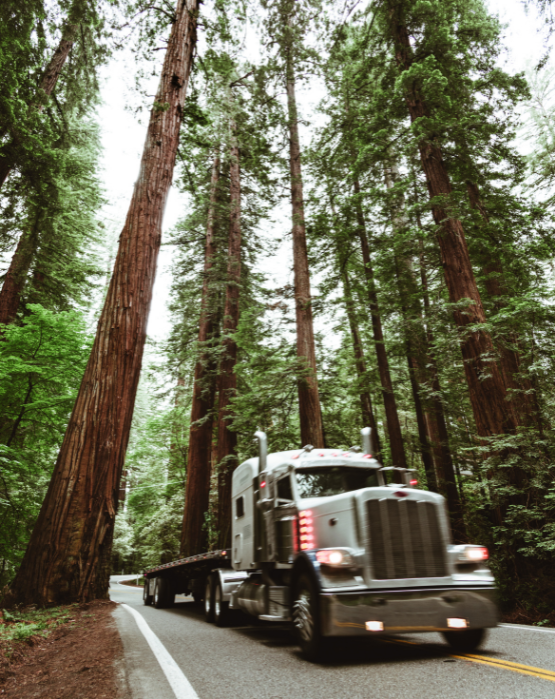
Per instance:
x=474, y=554
x=334, y=557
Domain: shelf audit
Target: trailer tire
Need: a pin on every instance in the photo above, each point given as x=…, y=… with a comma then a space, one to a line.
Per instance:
x=306, y=618
x=465, y=641
x=209, y=600
x=147, y=599
x=221, y=608
x=164, y=597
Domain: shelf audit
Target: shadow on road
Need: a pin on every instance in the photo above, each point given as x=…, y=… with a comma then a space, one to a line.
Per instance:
x=345, y=651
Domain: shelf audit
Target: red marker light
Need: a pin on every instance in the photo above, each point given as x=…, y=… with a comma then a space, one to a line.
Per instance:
x=295, y=456
x=400, y=494
x=263, y=484
x=321, y=454
x=414, y=482
x=367, y=456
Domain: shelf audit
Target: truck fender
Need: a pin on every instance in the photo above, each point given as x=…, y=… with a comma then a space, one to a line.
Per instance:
x=230, y=580
x=305, y=563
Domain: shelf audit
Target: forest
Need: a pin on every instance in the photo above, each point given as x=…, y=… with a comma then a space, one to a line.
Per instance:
x=408, y=214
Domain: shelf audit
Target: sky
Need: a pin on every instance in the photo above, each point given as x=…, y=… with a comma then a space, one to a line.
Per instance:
x=123, y=135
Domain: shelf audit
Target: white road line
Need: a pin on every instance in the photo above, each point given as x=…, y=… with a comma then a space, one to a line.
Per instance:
x=181, y=686
x=527, y=628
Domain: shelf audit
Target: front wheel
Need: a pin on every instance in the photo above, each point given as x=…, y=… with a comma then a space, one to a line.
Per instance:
x=465, y=641
x=147, y=599
x=221, y=608
x=306, y=619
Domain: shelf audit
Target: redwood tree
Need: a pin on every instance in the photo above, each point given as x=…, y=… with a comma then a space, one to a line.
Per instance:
x=193, y=536
x=68, y=556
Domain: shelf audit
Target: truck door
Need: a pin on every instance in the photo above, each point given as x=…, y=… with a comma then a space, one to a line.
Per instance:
x=238, y=538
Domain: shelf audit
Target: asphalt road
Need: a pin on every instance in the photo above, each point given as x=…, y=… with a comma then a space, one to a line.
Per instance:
x=252, y=660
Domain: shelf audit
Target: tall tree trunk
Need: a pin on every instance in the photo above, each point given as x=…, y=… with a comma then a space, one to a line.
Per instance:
x=510, y=362
x=492, y=412
x=193, y=536
x=227, y=439
x=68, y=556
x=47, y=85
x=390, y=405
x=16, y=276
x=312, y=430
x=368, y=417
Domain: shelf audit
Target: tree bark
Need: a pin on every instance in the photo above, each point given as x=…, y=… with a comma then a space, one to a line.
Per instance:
x=510, y=362
x=368, y=417
x=46, y=87
x=68, y=557
x=227, y=439
x=492, y=412
x=16, y=276
x=390, y=405
x=193, y=536
x=312, y=430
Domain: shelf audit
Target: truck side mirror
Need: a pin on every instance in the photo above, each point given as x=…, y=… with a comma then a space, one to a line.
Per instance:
x=265, y=505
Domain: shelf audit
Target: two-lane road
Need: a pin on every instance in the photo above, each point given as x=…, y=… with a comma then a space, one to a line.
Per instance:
x=260, y=661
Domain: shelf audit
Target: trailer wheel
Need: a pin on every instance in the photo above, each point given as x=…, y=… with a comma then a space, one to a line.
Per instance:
x=306, y=619
x=209, y=600
x=147, y=599
x=221, y=608
x=465, y=641
x=163, y=595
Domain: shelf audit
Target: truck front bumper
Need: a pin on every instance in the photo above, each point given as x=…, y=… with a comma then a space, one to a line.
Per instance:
x=409, y=610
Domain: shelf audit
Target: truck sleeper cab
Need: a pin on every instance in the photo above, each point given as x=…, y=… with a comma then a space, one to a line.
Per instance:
x=339, y=546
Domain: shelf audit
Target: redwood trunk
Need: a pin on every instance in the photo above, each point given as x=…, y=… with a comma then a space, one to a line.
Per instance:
x=10, y=295
x=360, y=363
x=68, y=557
x=227, y=439
x=193, y=536
x=312, y=429
x=492, y=412
x=390, y=405
x=47, y=85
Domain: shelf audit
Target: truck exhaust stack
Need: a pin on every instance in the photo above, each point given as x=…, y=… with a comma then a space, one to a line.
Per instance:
x=262, y=450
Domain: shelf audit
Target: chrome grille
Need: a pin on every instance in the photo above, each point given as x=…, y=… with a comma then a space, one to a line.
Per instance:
x=404, y=539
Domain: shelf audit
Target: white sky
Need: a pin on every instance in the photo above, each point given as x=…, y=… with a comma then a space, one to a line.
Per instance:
x=123, y=137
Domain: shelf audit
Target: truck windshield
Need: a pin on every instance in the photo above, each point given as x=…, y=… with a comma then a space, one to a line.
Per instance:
x=321, y=482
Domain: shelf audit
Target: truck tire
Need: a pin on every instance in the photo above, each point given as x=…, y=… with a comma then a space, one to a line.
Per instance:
x=306, y=619
x=221, y=608
x=164, y=597
x=147, y=599
x=209, y=600
x=465, y=641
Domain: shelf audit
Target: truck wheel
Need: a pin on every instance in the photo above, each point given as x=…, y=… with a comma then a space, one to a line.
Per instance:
x=221, y=608
x=209, y=600
x=306, y=619
x=465, y=641
x=163, y=595
x=147, y=599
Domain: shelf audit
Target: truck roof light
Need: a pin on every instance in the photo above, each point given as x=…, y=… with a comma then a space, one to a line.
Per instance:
x=400, y=493
x=367, y=456
x=413, y=481
x=263, y=484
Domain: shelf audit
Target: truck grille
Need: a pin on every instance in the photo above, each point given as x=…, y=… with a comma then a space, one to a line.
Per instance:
x=405, y=539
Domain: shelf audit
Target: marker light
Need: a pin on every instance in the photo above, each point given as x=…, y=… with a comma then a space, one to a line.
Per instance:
x=334, y=557
x=367, y=456
x=457, y=623
x=305, y=529
x=476, y=553
x=263, y=484
x=414, y=481
x=374, y=625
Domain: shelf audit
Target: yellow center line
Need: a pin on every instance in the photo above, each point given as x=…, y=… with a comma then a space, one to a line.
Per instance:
x=495, y=662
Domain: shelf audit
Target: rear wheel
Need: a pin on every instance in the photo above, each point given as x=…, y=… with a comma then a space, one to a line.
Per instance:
x=163, y=595
x=306, y=619
x=221, y=608
x=209, y=601
x=465, y=641
x=147, y=599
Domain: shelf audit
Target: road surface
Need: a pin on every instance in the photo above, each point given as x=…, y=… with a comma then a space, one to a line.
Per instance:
x=252, y=660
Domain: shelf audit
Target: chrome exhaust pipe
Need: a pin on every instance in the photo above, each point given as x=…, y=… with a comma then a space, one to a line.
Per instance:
x=262, y=450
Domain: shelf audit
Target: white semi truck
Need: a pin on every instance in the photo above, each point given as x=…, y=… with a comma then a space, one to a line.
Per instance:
x=333, y=543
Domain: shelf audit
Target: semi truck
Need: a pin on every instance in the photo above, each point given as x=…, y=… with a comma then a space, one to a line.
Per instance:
x=334, y=544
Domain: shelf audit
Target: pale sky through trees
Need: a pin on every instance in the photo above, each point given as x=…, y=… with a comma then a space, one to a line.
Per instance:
x=123, y=136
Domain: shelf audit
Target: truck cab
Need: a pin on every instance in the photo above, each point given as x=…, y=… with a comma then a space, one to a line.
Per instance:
x=341, y=546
